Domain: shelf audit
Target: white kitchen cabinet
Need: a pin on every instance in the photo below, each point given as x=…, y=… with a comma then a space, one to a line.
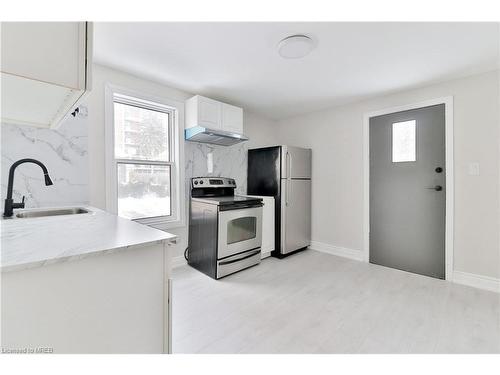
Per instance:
x=45, y=70
x=212, y=114
x=232, y=118
x=117, y=302
x=201, y=111
x=88, y=283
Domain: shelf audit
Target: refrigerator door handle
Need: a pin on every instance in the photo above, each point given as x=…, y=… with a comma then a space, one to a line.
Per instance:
x=288, y=165
x=289, y=189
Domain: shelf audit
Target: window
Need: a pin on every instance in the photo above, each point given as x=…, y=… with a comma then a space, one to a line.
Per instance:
x=404, y=141
x=143, y=190
x=143, y=146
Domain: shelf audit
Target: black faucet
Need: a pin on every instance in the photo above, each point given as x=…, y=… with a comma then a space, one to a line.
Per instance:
x=9, y=202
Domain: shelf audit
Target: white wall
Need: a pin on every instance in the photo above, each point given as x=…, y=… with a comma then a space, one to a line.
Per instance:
x=261, y=131
x=74, y=153
x=335, y=135
x=96, y=125
x=96, y=130
x=228, y=161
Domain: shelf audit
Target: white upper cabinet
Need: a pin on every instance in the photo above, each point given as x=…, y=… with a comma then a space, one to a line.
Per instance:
x=209, y=113
x=201, y=111
x=232, y=118
x=212, y=114
x=45, y=70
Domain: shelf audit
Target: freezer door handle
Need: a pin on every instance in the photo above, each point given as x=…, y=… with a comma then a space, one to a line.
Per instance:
x=289, y=189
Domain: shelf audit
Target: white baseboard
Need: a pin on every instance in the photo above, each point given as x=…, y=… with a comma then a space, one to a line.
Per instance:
x=337, y=250
x=178, y=261
x=477, y=281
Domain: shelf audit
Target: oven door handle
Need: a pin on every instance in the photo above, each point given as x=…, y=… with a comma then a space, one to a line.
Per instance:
x=240, y=206
x=237, y=260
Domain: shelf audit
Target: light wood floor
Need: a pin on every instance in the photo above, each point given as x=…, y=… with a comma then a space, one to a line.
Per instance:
x=318, y=303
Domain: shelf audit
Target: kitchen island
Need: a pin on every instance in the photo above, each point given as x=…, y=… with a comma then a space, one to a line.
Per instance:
x=84, y=283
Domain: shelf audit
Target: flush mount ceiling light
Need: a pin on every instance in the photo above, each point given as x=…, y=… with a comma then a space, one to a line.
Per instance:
x=295, y=46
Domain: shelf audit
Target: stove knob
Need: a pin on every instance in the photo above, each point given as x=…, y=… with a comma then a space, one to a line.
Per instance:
x=196, y=182
x=201, y=182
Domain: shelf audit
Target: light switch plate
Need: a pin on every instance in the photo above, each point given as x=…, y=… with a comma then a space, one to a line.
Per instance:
x=473, y=169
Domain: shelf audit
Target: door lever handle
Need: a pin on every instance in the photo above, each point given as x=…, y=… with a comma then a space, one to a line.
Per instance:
x=437, y=188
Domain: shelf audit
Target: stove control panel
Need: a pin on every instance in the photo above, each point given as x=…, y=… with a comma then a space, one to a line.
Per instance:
x=212, y=182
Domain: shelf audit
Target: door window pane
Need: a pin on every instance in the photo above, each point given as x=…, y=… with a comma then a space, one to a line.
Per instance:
x=141, y=133
x=143, y=190
x=241, y=229
x=404, y=141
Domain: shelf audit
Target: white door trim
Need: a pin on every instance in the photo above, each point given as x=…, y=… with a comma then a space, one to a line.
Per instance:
x=448, y=102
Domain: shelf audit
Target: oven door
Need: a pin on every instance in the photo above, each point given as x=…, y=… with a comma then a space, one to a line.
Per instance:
x=239, y=230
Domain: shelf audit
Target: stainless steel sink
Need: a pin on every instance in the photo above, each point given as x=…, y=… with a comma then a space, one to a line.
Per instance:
x=52, y=212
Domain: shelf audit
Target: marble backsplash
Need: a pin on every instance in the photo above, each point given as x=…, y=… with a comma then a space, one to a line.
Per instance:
x=228, y=161
x=64, y=153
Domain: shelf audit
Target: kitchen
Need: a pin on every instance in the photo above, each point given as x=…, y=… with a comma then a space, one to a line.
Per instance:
x=238, y=203
x=68, y=154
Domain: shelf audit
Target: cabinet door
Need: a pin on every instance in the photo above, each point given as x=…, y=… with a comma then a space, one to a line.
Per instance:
x=267, y=225
x=232, y=118
x=52, y=52
x=209, y=113
x=34, y=103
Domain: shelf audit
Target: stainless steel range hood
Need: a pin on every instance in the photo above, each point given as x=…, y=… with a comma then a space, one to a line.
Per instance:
x=213, y=136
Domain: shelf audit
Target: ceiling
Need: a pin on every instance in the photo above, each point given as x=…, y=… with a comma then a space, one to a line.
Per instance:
x=238, y=62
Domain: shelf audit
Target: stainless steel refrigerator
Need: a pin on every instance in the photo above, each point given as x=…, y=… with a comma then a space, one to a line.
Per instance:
x=284, y=172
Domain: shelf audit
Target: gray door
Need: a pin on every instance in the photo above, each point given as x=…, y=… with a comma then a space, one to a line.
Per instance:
x=407, y=190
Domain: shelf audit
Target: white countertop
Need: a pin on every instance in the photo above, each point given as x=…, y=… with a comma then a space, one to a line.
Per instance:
x=35, y=242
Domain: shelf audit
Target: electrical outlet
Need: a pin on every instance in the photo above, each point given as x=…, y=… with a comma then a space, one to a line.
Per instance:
x=473, y=169
x=210, y=162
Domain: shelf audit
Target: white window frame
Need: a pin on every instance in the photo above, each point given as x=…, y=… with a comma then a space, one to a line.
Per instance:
x=176, y=132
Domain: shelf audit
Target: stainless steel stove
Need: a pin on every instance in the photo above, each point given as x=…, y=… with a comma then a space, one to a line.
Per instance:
x=225, y=230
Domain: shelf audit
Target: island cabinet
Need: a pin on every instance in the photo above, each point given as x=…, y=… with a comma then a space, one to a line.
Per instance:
x=45, y=70
x=109, y=303
x=85, y=283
